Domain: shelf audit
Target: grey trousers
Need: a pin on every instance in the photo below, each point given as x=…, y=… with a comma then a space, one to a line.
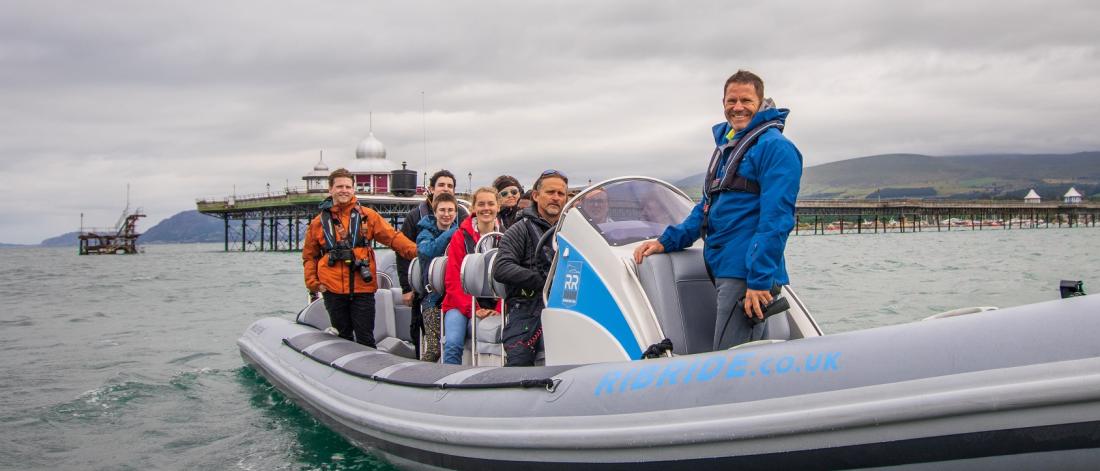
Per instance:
x=732, y=326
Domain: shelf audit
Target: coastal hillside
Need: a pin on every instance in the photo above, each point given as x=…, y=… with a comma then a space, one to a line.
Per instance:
x=1002, y=176
x=184, y=227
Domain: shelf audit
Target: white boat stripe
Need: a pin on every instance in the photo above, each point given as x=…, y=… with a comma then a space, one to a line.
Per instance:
x=314, y=347
x=385, y=372
x=460, y=376
x=344, y=360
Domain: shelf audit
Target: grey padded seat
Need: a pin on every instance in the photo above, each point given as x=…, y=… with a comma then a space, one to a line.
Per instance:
x=477, y=280
x=386, y=324
x=683, y=298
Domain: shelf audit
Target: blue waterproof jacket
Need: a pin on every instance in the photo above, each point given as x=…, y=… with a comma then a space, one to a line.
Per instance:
x=431, y=242
x=747, y=233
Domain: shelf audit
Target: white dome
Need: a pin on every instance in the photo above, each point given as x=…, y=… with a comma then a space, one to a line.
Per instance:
x=320, y=170
x=370, y=148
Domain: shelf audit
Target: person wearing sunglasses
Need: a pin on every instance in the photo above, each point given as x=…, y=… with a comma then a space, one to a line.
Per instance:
x=522, y=267
x=509, y=190
x=747, y=210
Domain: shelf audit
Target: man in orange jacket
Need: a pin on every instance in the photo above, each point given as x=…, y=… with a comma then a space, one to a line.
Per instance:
x=339, y=262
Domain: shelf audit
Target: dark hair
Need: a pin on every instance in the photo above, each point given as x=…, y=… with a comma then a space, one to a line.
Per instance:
x=747, y=78
x=340, y=173
x=444, y=198
x=528, y=195
x=441, y=173
x=551, y=174
x=505, y=181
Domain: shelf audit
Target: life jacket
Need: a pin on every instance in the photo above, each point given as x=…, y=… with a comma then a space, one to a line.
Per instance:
x=354, y=226
x=733, y=153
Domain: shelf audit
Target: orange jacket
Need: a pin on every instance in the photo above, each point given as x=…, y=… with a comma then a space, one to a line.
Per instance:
x=372, y=227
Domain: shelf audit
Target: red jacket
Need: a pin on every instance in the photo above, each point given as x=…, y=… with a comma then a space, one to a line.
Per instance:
x=455, y=297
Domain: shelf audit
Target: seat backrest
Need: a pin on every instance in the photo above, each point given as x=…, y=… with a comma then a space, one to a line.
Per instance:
x=384, y=322
x=315, y=315
x=683, y=298
x=477, y=272
x=436, y=271
x=415, y=277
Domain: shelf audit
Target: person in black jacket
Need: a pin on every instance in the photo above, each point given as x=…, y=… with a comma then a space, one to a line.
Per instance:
x=442, y=181
x=510, y=191
x=522, y=267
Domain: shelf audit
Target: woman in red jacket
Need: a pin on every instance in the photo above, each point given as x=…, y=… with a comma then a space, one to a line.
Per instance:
x=457, y=304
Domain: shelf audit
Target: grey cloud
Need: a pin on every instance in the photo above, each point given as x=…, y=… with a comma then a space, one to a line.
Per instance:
x=186, y=100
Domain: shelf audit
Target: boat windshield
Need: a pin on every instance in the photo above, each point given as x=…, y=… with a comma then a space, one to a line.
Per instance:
x=627, y=211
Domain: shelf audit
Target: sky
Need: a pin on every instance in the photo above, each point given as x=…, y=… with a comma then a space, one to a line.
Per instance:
x=185, y=100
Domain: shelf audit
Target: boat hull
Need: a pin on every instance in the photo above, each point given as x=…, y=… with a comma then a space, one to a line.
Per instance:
x=997, y=388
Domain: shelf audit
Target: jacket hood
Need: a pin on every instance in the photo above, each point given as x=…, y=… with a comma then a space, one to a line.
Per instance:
x=767, y=112
x=428, y=222
x=532, y=213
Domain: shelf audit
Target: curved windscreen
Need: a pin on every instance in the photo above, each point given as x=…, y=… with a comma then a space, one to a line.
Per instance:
x=628, y=211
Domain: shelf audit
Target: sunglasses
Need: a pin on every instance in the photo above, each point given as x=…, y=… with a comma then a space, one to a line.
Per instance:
x=506, y=192
x=554, y=173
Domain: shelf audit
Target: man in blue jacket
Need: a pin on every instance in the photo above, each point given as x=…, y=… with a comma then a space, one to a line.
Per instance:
x=747, y=210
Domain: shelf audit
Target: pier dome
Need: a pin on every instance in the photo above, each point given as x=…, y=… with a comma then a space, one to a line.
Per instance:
x=317, y=180
x=370, y=167
x=370, y=148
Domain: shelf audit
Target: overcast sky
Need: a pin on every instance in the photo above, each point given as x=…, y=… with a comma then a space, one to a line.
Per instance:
x=189, y=99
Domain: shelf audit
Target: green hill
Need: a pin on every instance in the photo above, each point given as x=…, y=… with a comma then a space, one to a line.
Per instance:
x=955, y=177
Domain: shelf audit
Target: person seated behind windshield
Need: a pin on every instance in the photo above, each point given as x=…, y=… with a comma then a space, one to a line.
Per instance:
x=595, y=206
x=435, y=234
x=457, y=304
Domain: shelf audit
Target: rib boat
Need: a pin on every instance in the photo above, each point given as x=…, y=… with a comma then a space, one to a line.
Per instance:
x=976, y=388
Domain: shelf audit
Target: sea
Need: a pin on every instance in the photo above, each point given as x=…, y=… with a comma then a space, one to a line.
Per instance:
x=130, y=362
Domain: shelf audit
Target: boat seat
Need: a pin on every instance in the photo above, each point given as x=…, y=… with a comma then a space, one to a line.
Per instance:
x=415, y=275
x=437, y=269
x=477, y=281
x=387, y=332
x=683, y=298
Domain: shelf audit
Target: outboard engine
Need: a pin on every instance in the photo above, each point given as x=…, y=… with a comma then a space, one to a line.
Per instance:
x=1070, y=288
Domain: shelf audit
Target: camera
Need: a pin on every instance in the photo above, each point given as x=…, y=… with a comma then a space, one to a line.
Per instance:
x=364, y=270
x=340, y=253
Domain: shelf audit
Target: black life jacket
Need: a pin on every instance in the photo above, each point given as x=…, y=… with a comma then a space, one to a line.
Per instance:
x=354, y=225
x=734, y=153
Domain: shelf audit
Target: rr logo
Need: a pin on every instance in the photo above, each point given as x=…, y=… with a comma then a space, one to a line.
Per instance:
x=572, y=283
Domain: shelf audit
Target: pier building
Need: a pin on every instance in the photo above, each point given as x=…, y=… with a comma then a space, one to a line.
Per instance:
x=277, y=221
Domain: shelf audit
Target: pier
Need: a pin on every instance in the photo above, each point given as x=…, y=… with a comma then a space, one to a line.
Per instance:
x=872, y=216
x=120, y=239
x=273, y=222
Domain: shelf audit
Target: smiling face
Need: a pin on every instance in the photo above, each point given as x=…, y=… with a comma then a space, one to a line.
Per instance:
x=740, y=104
x=445, y=212
x=485, y=208
x=342, y=190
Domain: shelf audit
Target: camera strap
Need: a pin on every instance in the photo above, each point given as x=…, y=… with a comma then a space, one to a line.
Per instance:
x=354, y=226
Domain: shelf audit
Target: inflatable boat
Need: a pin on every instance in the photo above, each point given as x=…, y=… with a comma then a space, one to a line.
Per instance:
x=990, y=388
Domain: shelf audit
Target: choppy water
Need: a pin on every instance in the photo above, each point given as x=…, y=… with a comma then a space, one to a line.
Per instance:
x=130, y=362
